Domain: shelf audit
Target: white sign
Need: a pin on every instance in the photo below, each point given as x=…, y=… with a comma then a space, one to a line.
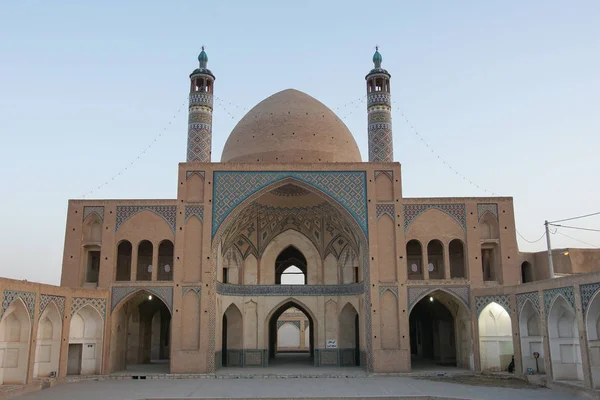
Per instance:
x=331, y=344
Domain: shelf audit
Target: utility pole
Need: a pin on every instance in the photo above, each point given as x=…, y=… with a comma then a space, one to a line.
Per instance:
x=550, y=264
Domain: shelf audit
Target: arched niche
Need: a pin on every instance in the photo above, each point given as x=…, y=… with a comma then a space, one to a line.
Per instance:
x=384, y=190
x=592, y=322
x=166, y=251
x=488, y=227
x=456, y=251
x=232, y=339
x=349, y=266
x=389, y=321
x=435, y=259
x=124, y=254
x=144, y=266
x=85, y=342
x=349, y=336
x=386, y=249
x=47, y=349
x=299, y=242
x=231, y=264
x=563, y=336
x=15, y=332
x=495, y=338
x=532, y=340
x=527, y=273
x=190, y=336
x=195, y=188
x=414, y=258
x=92, y=229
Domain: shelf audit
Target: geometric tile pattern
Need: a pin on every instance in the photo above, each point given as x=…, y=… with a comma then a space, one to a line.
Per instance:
x=417, y=293
x=587, y=292
x=390, y=174
x=231, y=188
x=165, y=293
x=190, y=173
x=483, y=208
x=393, y=289
x=291, y=290
x=169, y=213
x=381, y=147
x=98, y=210
x=78, y=302
x=533, y=297
x=11, y=295
x=197, y=211
x=551, y=294
x=195, y=289
x=389, y=209
x=281, y=323
x=482, y=301
x=59, y=301
x=456, y=211
x=199, y=127
x=379, y=98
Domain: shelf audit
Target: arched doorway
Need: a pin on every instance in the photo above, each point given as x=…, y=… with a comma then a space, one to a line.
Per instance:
x=284, y=357
x=349, y=336
x=85, y=342
x=232, y=340
x=592, y=321
x=563, y=334
x=440, y=332
x=15, y=329
x=141, y=334
x=495, y=338
x=290, y=267
x=526, y=272
x=531, y=338
x=47, y=349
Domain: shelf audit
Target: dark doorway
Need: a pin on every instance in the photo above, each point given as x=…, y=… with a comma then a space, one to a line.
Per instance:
x=290, y=257
x=273, y=331
x=74, y=359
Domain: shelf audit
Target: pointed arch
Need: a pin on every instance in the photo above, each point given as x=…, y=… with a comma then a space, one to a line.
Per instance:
x=15, y=336
x=47, y=350
x=190, y=336
x=563, y=336
x=86, y=332
x=459, y=300
x=495, y=337
x=92, y=228
x=592, y=324
x=232, y=339
x=530, y=330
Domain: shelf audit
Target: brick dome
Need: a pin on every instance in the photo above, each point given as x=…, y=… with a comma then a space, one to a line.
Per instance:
x=290, y=127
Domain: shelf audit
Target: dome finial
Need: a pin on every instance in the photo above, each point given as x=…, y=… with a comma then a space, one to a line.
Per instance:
x=377, y=57
x=203, y=58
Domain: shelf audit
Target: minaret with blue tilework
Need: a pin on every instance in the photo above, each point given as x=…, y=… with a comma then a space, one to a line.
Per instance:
x=200, y=112
x=379, y=109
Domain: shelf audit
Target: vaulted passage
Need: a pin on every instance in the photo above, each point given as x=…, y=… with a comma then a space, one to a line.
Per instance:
x=285, y=346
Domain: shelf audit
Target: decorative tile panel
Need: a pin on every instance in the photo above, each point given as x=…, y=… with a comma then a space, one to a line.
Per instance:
x=89, y=210
x=281, y=323
x=165, y=293
x=483, y=208
x=456, y=211
x=77, y=303
x=381, y=146
x=197, y=211
x=195, y=289
x=482, y=301
x=533, y=297
x=188, y=174
x=389, y=209
x=393, y=289
x=587, y=293
x=169, y=213
x=46, y=299
x=232, y=188
x=11, y=295
x=416, y=293
x=289, y=290
x=551, y=294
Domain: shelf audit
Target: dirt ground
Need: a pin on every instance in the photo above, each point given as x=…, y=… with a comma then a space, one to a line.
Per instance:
x=478, y=380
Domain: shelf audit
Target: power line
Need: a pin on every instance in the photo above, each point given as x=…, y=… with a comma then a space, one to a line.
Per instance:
x=571, y=237
x=576, y=227
x=581, y=216
x=529, y=241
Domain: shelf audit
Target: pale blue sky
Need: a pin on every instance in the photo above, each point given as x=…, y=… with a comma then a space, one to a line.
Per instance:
x=507, y=92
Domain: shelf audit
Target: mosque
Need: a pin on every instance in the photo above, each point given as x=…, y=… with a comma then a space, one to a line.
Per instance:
x=293, y=250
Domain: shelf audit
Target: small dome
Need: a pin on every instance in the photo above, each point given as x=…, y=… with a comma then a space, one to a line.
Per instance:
x=377, y=59
x=203, y=58
x=290, y=127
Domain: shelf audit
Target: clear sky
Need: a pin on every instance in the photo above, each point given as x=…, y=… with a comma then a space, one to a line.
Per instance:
x=507, y=92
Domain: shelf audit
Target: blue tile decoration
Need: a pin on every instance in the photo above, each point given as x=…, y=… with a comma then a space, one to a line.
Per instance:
x=169, y=213
x=59, y=301
x=389, y=173
x=281, y=323
x=77, y=303
x=11, y=295
x=456, y=211
x=165, y=293
x=416, y=293
x=389, y=209
x=194, y=211
x=483, y=208
x=89, y=210
x=551, y=294
x=501, y=299
x=393, y=289
x=533, y=297
x=195, y=289
x=188, y=174
x=587, y=292
x=231, y=188
x=289, y=290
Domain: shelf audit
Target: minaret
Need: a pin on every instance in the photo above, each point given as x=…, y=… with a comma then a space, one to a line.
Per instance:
x=379, y=109
x=200, y=112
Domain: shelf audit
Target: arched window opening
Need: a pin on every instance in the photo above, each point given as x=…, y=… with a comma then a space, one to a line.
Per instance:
x=414, y=255
x=165, y=261
x=489, y=262
x=124, y=261
x=526, y=272
x=435, y=256
x=290, y=267
x=457, y=259
x=144, y=262
x=92, y=265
